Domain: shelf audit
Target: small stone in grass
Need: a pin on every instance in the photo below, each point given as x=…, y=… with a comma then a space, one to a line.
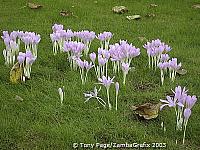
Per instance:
x=34, y=6
x=133, y=17
x=153, y=5
x=196, y=6
x=119, y=9
x=18, y=98
x=181, y=71
x=66, y=13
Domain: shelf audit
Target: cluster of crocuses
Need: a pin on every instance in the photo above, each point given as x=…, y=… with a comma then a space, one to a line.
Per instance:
x=182, y=103
x=104, y=39
x=13, y=42
x=155, y=49
x=84, y=67
x=171, y=65
x=74, y=50
x=106, y=82
x=75, y=44
x=31, y=41
x=121, y=55
x=86, y=37
x=25, y=61
x=158, y=57
x=60, y=36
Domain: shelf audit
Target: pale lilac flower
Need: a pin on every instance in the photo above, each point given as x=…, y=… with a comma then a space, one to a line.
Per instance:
x=169, y=102
x=184, y=104
x=80, y=63
x=21, y=57
x=86, y=36
x=106, y=81
x=87, y=65
x=102, y=61
x=155, y=49
x=125, y=67
x=187, y=113
x=117, y=87
x=164, y=57
x=190, y=101
x=104, y=36
x=163, y=65
x=92, y=57
x=57, y=27
x=69, y=34
x=181, y=95
x=173, y=64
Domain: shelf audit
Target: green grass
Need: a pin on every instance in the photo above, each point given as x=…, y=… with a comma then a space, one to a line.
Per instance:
x=40, y=122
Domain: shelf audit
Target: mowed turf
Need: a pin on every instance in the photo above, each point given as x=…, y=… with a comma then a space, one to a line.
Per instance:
x=40, y=122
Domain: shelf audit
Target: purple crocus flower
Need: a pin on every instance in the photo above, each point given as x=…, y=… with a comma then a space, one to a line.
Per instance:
x=13, y=35
x=163, y=65
x=169, y=102
x=164, y=57
x=104, y=36
x=187, y=113
x=102, y=61
x=7, y=42
x=180, y=94
x=29, y=54
x=190, y=101
x=106, y=81
x=86, y=36
x=21, y=57
x=92, y=57
x=173, y=64
x=106, y=54
x=29, y=57
x=13, y=45
x=30, y=61
x=167, y=48
x=134, y=52
x=20, y=34
x=117, y=87
x=87, y=65
x=69, y=34
x=80, y=63
x=125, y=67
x=5, y=35
x=57, y=27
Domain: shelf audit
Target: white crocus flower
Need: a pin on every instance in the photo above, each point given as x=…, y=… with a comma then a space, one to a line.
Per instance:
x=61, y=93
x=94, y=94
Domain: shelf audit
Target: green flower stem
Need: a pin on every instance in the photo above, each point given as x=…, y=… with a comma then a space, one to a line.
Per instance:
x=185, y=126
x=116, y=100
x=162, y=76
x=109, y=105
x=124, y=80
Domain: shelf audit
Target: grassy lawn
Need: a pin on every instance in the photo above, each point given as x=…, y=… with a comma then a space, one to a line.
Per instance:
x=40, y=122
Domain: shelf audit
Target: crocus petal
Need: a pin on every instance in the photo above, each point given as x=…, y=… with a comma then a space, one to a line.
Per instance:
x=187, y=113
x=164, y=101
x=180, y=104
x=161, y=107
